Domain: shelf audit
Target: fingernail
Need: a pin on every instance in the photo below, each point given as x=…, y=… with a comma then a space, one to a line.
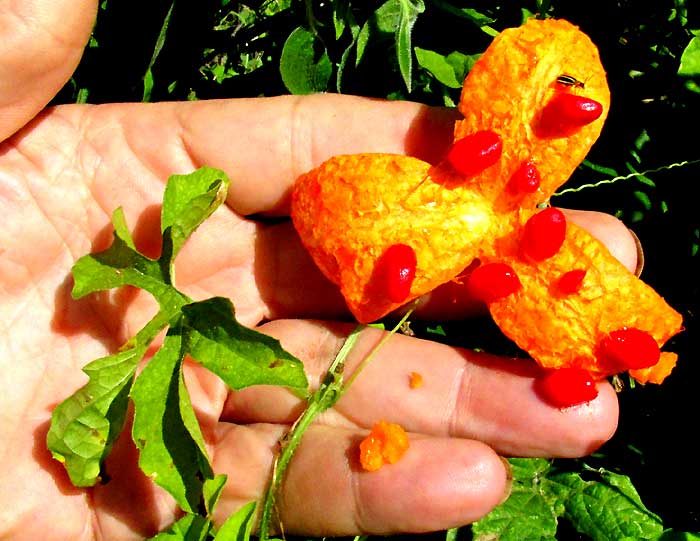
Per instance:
x=509, y=480
x=640, y=254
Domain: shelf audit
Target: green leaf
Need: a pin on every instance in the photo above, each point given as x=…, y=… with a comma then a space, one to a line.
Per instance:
x=85, y=425
x=469, y=14
x=393, y=18
x=679, y=536
x=304, y=65
x=341, y=16
x=117, y=266
x=238, y=355
x=188, y=201
x=239, y=525
x=438, y=66
x=212, y=492
x=643, y=198
x=344, y=58
x=121, y=228
x=462, y=63
x=165, y=429
x=530, y=513
x=191, y=527
x=404, y=50
x=609, y=171
x=690, y=59
x=606, y=508
x=148, y=81
x=383, y=22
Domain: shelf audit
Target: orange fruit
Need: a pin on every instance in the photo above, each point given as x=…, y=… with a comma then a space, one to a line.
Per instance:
x=385, y=444
x=532, y=106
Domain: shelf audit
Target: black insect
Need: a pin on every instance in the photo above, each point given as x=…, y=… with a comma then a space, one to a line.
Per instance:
x=568, y=80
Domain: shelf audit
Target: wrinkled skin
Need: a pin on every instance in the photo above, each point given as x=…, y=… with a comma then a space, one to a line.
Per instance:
x=64, y=170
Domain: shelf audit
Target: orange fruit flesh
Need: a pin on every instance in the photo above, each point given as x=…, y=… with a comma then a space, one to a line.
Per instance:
x=350, y=209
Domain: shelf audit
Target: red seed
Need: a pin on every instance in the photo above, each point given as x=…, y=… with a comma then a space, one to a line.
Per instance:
x=397, y=268
x=474, y=153
x=570, y=282
x=566, y=113
x=526, y=179
x=543, y=234
x=567, y=387
x=493, y=281
x=630, y=348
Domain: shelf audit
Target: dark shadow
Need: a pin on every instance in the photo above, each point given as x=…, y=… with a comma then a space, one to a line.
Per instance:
x=128, y=495
x=289, y=281
x=43, y=457
x=124, y=492
x=353, y=457
x=431, y=134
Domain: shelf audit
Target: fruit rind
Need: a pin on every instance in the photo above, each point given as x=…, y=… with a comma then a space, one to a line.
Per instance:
x=350, y=209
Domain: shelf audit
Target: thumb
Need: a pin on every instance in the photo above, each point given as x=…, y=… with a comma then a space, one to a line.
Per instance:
x=41, y=43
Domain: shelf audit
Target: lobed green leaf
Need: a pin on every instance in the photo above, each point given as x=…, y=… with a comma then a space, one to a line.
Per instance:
x=211, y=490
x=529, y=514
x=240, y=356
x=118, y=266
x=165, y=429
x=85, y=425
x=606, y=508
x=190, y=527
x=188, y=201
x=239, y=525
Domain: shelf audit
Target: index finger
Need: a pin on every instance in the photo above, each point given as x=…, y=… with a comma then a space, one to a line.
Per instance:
x=264, y=144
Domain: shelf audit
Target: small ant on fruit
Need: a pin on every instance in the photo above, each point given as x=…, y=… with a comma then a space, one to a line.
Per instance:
x=568, y=80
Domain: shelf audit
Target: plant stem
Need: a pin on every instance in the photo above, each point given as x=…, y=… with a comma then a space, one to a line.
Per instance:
x=325, y=397
x=318, y=402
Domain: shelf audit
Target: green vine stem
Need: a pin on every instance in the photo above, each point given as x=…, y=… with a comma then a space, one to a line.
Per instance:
x=325, y=397
x=626, y=177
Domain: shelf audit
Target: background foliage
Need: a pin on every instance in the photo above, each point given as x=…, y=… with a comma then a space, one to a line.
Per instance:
x=420, y=50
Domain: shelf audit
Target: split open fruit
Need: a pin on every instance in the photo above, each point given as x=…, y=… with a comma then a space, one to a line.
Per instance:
x=389, y=228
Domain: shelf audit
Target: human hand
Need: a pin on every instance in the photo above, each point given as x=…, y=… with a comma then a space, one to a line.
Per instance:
x=60, y=179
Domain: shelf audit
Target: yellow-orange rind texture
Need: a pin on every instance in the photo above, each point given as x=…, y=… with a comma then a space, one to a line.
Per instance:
x=350, y=209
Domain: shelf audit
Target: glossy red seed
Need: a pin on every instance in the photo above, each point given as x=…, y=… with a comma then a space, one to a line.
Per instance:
x=493, y=281
x=630, y=348
x=474, y=153
x=566, y=387
x=397, y=269
x=543, y=234
x=566, y=113
x=526, y=179
x=570, y=282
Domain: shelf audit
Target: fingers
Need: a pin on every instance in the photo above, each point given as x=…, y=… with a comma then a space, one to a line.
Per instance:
x=265, y=143
x=40, y=45
x=438, y=484
x=464, y=394
x=269, y=275
x=613, y=233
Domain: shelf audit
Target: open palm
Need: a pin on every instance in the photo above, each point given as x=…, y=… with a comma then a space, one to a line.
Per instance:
x=69, y=167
